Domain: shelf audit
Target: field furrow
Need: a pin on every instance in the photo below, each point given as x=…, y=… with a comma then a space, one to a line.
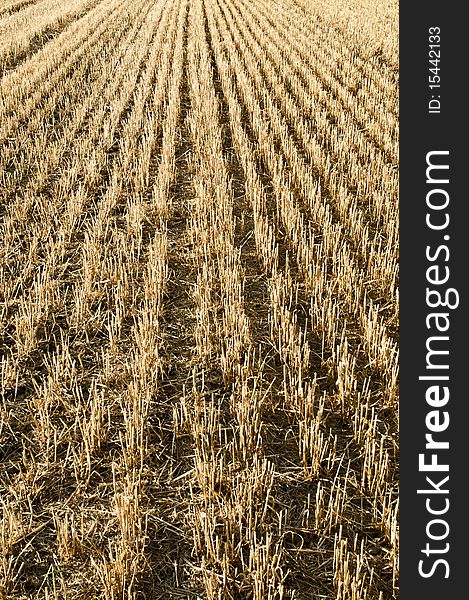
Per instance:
x=198, y=300
x=61, y=124
x=309, y=147
x=26, y=89
x=25, y=33
x=269, y=251
x=8, y=8
x=344, y=272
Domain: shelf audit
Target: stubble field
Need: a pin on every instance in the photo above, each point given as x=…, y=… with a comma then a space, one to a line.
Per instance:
x=199, y=299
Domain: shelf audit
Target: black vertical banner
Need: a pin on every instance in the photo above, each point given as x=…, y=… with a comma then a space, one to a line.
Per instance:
x=434, y=267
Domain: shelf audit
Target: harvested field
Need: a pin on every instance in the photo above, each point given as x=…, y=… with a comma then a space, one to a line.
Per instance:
x=199, y=299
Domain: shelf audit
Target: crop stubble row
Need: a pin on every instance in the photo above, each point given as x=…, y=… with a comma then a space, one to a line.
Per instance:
x=199, y=305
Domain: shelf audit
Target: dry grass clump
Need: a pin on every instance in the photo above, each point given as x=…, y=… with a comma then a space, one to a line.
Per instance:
x=198, y=300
